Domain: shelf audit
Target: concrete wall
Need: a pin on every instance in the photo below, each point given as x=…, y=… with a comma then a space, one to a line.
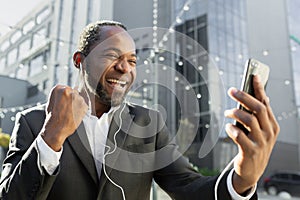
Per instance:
x=134, y=14
x=268, y=31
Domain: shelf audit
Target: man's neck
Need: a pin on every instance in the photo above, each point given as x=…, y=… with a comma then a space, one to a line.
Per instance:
x=101, y=108
x=97, y=107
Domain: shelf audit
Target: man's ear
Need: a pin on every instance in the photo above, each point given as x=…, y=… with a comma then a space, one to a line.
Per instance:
x=77, y=59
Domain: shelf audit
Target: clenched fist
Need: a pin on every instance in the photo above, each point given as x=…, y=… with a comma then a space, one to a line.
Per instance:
x=65, y=111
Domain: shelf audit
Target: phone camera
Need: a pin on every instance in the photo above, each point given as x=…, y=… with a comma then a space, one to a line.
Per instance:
x=254, y=64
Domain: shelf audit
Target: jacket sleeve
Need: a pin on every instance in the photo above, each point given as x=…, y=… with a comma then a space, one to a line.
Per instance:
x=22, y=176
x=180, y=180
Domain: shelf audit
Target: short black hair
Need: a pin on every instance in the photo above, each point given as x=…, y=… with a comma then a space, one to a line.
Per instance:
x=91, y=34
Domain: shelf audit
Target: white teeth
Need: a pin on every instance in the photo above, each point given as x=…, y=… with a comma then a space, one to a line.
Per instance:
x=116, y=81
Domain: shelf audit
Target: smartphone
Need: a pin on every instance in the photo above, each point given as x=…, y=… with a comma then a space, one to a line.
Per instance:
x=252, y=67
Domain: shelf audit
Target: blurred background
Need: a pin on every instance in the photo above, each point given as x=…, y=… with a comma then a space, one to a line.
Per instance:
x=38, y=38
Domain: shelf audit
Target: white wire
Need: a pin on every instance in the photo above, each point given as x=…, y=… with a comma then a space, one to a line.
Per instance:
x=221, y=175
x=79, y=79
x=111, y=152
x=115, y=141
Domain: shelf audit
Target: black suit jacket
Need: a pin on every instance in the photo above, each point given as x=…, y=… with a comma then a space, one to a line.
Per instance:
x=76, y=176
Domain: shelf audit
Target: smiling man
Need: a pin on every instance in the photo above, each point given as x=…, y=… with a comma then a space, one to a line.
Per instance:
x=113, y=59
x=75, y=146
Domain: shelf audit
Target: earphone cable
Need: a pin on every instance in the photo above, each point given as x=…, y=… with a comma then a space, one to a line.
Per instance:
x=221, y=176
x=111, y=152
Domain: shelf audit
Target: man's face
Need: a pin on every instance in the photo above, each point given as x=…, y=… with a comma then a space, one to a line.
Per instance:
x=110, y=66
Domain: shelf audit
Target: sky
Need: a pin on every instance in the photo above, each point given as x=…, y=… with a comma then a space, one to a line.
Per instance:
x=12, y=11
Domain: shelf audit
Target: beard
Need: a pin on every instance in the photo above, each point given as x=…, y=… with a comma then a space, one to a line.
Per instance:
x=114, y=99
x=100, y=93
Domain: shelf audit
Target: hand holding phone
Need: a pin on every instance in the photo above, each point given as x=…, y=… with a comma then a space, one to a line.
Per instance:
x=252, y=67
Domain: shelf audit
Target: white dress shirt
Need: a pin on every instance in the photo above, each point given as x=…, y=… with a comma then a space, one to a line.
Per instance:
x=97, y=141
x=49, y=159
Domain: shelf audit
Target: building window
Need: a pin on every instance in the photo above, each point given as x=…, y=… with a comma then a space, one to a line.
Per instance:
x=90, y=12
x=43, y=15
x=45, y=84
x=28, y=26
x=16, y=36
x=39, y=37
x=2, y=64
x=12, y=56
x=4, y=45
x=22, y=72
x=24, y=48
x=36, y=65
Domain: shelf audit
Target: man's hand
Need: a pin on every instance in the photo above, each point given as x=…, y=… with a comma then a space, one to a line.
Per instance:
x=65, y=111
x=254, y=149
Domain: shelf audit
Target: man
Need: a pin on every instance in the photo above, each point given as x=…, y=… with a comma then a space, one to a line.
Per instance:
x=57, y=152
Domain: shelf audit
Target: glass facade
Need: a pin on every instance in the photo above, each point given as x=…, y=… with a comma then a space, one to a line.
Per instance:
x=224, y=36
x=219, y=26
x=228, y=40
x=196, y=29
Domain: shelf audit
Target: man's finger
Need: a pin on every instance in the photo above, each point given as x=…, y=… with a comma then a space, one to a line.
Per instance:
x=239, y=137
x=252, y=104
x=259, y=89
x=76, y=88
x=51, y=99
x=249, y=121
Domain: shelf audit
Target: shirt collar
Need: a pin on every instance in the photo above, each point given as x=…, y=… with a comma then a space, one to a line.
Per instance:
x=111, y=111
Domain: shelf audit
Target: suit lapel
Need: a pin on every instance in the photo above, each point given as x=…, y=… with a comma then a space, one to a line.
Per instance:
x=80, y=144
x=121, y=134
